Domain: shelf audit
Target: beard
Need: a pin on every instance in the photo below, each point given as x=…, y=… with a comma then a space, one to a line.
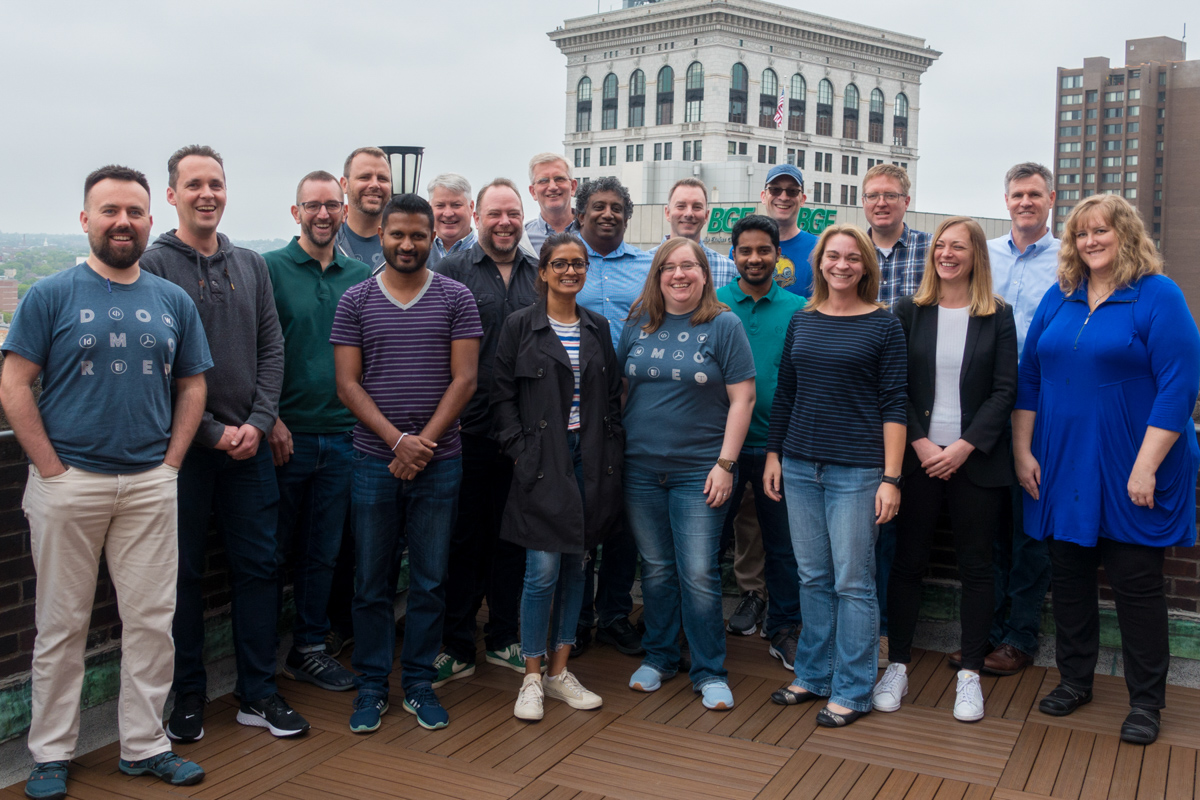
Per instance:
x=318, y=237
x=405, y=269
x=105, y=250
x=358, y=203
x=487, y=240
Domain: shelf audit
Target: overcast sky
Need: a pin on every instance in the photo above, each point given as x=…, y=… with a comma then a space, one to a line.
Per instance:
x=284, y=87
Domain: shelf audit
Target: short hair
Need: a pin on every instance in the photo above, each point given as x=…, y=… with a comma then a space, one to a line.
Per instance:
x=370, y=151
x=548, y=158
x=1028, y=169
x=868, y=285
x=696, y=182
x=756, y=222
x=114, y=172
x=451, y=182
x=653, y=307
x=201, y=150
x=605, y=184
x=984, y=301
x=496, y=182
x=407, y=204
x=552, y=243
x=1136, y=254
x=315, y=175
x=899, y=174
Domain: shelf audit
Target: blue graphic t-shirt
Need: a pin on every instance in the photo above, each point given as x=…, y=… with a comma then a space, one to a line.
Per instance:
x=368, y=250
x=108, y=352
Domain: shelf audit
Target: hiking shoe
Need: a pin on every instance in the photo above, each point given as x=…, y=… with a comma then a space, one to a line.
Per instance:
x=422, y=702
x=566, y=687
x=783, y=646
x=319, y=669
x=883, y=652
x=529, y=701
x=621, y=635
x=716, y=696
x=450, y=668
x=646, y=679
x=175, y=770
x=187, y=717
x=368, y=708
x=335, y=642
x=507, y=657
x=47, y=781
x=274, y=714
x=968, y=697
x=749, y=612
x=891, y=688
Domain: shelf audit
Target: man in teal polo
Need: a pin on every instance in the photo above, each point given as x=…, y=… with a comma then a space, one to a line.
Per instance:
x=765, y=309
x=310, y=442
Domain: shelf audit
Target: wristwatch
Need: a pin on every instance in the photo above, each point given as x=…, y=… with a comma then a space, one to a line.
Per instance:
x=725, y=464
x=898, y=481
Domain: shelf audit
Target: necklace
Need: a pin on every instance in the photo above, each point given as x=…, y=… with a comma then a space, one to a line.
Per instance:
x=1094, y=304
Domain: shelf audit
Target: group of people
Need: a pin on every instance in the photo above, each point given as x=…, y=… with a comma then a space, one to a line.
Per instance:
x=528, y=408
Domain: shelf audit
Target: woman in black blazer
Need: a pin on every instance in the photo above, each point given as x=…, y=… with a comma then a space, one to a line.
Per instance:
x=962, y=384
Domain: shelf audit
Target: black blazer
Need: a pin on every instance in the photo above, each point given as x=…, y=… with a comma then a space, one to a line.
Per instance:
x=987, y=388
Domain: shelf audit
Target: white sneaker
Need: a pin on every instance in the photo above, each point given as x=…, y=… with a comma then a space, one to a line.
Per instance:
x=968, y=697
x=890, y=689
x=529, y=701
x=566, y=687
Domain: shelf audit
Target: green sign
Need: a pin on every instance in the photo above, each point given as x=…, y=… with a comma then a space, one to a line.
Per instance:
x=813, y=220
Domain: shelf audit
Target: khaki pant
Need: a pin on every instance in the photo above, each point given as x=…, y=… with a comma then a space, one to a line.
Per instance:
x=748, y=553
x=72, y=517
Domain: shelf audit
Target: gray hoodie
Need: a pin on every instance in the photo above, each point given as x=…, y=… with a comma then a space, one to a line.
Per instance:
x=233, y=293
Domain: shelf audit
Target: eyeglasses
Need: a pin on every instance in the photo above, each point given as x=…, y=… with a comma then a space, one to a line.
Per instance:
x=558, y=180
x=686, y=266
x=560, y=266
x=890, y=197
x=790, y=191
x=313, y=207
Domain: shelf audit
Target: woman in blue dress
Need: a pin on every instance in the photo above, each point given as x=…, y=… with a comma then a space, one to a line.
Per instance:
x=1104, y=447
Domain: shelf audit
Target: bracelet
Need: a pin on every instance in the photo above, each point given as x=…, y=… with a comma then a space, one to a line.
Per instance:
x=398, y=441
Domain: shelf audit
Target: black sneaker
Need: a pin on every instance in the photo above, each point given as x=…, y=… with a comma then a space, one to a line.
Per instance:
x=274, y=714
x=783, y=645
x=318, y=669
x=583, y=640
x=749, y=612
x=187, y=718
x=335, y=642
x=621, y=635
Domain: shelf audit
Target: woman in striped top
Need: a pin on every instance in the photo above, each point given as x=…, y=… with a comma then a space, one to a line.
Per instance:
x=836, y=442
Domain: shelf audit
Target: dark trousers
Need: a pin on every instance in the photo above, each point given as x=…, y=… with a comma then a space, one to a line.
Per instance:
x=1022, y=570
x=617, y=570
x=974, y=517
x=1135, y=573
x=341, y=593
x=481, y=564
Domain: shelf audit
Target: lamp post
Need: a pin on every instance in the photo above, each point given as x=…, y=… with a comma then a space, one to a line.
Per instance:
x=406, y=167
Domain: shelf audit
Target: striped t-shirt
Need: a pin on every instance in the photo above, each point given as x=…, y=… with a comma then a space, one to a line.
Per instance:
x=406, y=353
x=569, y=336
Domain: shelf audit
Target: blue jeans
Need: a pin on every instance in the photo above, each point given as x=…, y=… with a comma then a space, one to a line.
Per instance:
x=383, y=510
x=678, y=535
x=779, y=566
x=1022, y=578
x=832, y=513
x=314, y=496
x=244, y=497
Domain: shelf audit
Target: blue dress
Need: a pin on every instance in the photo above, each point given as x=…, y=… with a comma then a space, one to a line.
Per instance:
x=1096, y=382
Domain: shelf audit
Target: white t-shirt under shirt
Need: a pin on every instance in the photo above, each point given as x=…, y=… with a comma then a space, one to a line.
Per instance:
x=568, y=334
x=945, y=421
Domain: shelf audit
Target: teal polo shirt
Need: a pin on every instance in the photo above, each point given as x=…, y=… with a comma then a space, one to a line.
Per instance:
x=306, y=297
x=766, y=323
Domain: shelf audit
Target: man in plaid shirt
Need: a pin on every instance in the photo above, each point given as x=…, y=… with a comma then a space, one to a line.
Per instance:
x=900, y=249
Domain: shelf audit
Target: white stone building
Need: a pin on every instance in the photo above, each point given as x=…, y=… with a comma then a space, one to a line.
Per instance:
x=664, y=90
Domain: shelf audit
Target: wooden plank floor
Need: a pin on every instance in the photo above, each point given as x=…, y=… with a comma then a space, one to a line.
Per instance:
x=665, y=745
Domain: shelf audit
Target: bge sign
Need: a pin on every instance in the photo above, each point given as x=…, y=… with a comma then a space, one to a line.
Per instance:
x=813, y=220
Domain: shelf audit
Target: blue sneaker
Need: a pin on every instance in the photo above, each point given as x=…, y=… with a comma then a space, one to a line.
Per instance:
x=717, y=696
x=424, y=703
x=368, y=708
x=48, y=781
x=175, y=770
x=646, y=679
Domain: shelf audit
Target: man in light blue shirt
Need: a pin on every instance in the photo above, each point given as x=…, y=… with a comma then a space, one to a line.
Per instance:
x=453, y=208
x=551, y=185
x=687, y=214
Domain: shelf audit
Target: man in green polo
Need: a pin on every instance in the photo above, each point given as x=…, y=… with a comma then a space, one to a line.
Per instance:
x=311, y=440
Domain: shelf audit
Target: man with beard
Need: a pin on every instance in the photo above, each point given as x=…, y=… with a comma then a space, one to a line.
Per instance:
x=450, y=196
x=405, y=348
x=310, y=442
x=367, y=184
x=228, y=471
x=502, y=277
x=104, y=451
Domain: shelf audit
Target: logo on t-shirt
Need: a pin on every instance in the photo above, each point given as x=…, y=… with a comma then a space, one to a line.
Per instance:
x=785, y=272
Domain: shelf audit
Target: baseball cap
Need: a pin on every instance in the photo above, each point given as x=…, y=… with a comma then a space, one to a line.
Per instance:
x=782, y=170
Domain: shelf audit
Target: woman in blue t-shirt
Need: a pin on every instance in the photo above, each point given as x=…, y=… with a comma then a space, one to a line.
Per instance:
x=689, y=374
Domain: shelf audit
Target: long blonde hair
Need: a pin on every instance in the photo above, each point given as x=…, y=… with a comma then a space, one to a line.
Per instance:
x=868, y=285
x=1136, y=254
x=650, y=303
x=983, y=301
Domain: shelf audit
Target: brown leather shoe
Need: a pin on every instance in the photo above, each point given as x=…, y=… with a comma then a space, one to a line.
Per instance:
x=955, y=659
x=1006, y=660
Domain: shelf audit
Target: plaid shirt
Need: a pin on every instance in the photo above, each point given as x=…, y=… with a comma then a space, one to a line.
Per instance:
x=900, y=272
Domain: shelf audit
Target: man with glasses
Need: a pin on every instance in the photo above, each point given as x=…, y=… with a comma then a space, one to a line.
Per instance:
x=551, y=185
x=367, y=184
x=687, y=214
x=310, y=443
x=784, y=196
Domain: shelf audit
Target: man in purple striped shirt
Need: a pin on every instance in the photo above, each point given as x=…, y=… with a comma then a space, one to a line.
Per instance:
x=406, y=351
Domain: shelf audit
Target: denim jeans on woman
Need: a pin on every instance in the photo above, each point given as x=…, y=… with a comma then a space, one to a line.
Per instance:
x=831, y=511
x=678, y=534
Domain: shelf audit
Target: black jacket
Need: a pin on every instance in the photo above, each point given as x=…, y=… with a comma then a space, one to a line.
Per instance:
x=987, y=388
x=531, y=402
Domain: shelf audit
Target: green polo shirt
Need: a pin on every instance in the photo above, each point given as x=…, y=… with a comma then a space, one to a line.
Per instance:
x=306, y=297
x=766, y=323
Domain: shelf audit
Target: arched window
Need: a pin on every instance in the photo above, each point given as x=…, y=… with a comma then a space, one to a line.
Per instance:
x=768, y=98
x=583, y=105
x=875, y=128
x=694, y=93
x=738, y=86
x=608, y=104
x=637, y=99
x=850, y=113
x=900, y=121
x=664, y=114
x=796, y=103
x=825, y=108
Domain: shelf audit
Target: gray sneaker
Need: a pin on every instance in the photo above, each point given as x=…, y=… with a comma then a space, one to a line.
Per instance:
x=747, y=615
x=783, y=646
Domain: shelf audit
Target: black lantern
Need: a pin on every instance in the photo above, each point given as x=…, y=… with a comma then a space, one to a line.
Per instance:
x=406, y=167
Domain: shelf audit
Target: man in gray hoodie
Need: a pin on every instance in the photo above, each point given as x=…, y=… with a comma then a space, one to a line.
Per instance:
x=228, y=470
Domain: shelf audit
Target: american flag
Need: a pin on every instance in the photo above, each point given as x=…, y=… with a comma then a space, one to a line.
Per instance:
x=779, y=112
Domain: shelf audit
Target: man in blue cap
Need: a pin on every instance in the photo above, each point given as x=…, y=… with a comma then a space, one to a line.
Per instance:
x=783, y=197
